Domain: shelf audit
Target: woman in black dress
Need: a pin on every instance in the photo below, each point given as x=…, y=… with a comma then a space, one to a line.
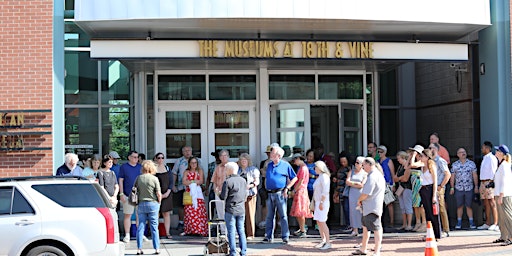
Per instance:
x=164, y=177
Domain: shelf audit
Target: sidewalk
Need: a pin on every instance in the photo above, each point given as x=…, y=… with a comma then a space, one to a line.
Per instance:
x=463, y=242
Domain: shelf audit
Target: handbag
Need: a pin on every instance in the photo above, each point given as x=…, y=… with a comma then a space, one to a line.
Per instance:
x=312, y=205
x=133, y=198
x=388, y=196
x=346, y=191
x=187, y=198
x=336, y=197
x=399, y=190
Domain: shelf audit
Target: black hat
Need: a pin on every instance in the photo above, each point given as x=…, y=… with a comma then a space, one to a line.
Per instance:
x=216, y=153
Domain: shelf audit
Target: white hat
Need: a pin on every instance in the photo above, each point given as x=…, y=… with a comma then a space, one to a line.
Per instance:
x=114, y=155
x=418, y=148
x=383, y=148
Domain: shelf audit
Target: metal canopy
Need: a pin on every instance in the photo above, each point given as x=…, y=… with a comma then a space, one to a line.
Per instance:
x=266, y=28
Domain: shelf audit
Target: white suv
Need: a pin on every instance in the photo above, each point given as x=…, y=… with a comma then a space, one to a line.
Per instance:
x=56, y=216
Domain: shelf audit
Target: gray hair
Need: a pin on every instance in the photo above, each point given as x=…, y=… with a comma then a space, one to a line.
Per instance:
x=279, y=151
x=71, y=156
x=323, y=167
x=231, y=168
x=246, y=157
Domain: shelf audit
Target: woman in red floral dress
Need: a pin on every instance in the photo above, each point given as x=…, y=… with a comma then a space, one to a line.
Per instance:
x=195, y=221
x=300, y=205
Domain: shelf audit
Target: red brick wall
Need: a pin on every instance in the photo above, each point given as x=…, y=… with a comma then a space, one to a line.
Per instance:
x=26, y=81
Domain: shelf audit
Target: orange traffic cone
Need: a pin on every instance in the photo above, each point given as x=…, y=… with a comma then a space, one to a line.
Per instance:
x=431, y=246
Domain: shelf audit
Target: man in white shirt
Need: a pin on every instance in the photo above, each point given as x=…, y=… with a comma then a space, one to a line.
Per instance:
x=487, y=169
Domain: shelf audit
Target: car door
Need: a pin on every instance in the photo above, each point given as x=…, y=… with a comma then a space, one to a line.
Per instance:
x=18, y=220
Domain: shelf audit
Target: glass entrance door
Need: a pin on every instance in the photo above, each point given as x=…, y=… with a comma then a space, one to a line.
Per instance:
x=230, y=127
x=291, y=126
x=182, y=125
x=351, y=127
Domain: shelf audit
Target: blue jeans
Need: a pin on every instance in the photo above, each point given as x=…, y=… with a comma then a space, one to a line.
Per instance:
x=276, y=201
x=235, y=224
x=148, y=211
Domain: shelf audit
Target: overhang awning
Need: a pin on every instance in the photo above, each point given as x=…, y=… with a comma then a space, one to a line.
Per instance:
x=370, y=20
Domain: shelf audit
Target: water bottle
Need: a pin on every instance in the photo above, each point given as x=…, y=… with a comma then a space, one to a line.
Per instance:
x=435, y=207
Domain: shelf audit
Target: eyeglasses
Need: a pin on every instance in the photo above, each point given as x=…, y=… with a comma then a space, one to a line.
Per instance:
x=160, y=157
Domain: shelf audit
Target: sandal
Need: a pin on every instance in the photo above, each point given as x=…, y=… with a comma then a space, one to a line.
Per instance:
x=506, y=242
x=498, y=241
x=359, y=252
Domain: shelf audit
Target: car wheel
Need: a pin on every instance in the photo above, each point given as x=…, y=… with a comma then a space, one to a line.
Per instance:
x=46, y=250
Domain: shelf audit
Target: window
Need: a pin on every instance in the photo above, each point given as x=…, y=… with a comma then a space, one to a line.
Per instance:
x=340, y=87
x=232, y=87
x=291, y=87
x=73, y=195
x=181, y=87
x=11, y=197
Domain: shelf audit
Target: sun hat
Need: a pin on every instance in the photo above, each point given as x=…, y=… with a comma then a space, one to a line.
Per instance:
x=503, y=148
x=418, y=148
x=383, y=148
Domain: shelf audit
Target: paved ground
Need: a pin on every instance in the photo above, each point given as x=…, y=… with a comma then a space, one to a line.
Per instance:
x=467, y=243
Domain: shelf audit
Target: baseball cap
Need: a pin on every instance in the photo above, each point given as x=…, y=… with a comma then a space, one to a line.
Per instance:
x=383, y=148
x=114, y=155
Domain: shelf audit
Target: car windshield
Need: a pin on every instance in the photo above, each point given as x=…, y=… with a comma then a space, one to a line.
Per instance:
x=72, y=195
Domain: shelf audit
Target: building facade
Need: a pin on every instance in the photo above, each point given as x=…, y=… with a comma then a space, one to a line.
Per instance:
x=156, y=75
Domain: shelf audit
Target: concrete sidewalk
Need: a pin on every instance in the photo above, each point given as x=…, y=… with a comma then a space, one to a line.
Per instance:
x=464, y=242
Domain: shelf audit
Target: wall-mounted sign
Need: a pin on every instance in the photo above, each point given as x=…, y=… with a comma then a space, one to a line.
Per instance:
x=22, y=130
x=276, y=49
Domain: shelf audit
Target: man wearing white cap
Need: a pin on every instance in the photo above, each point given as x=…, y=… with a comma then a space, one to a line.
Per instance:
x=115, y=165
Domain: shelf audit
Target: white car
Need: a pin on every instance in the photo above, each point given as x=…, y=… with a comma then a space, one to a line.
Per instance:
x=56, y=216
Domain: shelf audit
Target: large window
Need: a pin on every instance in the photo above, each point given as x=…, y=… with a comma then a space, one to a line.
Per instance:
x=291, y=87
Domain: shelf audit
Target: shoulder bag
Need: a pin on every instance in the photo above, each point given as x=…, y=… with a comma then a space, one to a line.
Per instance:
x=133, y=198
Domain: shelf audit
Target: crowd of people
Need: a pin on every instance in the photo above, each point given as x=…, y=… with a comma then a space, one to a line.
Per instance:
x=363, y=187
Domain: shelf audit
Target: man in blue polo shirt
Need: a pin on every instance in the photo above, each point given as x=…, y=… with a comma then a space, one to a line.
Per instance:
x=277, y=175
x=128, y=173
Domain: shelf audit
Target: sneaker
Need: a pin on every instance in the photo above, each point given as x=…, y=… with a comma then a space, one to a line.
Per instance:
x=285, y=241
x=418, y=225
x=316, y=226
x=126, y=239
x=326, y=246
x=492, y=227
x=459, y=227
x=483, y=227
x=497, y=229
x=297, y=232
x=409, y=228
x=354, y=233
x=472, y=226
x=266, y=241
x=302, y=234
x=320, y=245
x=422, y=228
x=145, y=239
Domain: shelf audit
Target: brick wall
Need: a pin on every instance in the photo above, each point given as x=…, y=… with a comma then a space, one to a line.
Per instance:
x=26, y=80
x=445, y=107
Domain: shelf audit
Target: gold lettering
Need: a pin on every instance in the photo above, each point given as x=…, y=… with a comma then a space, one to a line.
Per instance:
x=309, y=50
x=246, y=48
x=276, y=50
x=370, y=50
x=229, y=49
x=288, y=49
x=303, y=49
x=259, y=49
x=208, y=48
x=11, y=141
x=252, y=50
x=339, y=50
x=268, y=50
x=352, y=47
x=201, y=48
x=238, y=49
x=322, y=49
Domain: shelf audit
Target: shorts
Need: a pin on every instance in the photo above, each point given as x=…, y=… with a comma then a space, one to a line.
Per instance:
x=128, y=208
x=177, y=198
x=464, y=198
x=486, y=193
x=372, y=222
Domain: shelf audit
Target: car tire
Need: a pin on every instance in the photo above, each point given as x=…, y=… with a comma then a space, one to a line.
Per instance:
x=46, y=250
